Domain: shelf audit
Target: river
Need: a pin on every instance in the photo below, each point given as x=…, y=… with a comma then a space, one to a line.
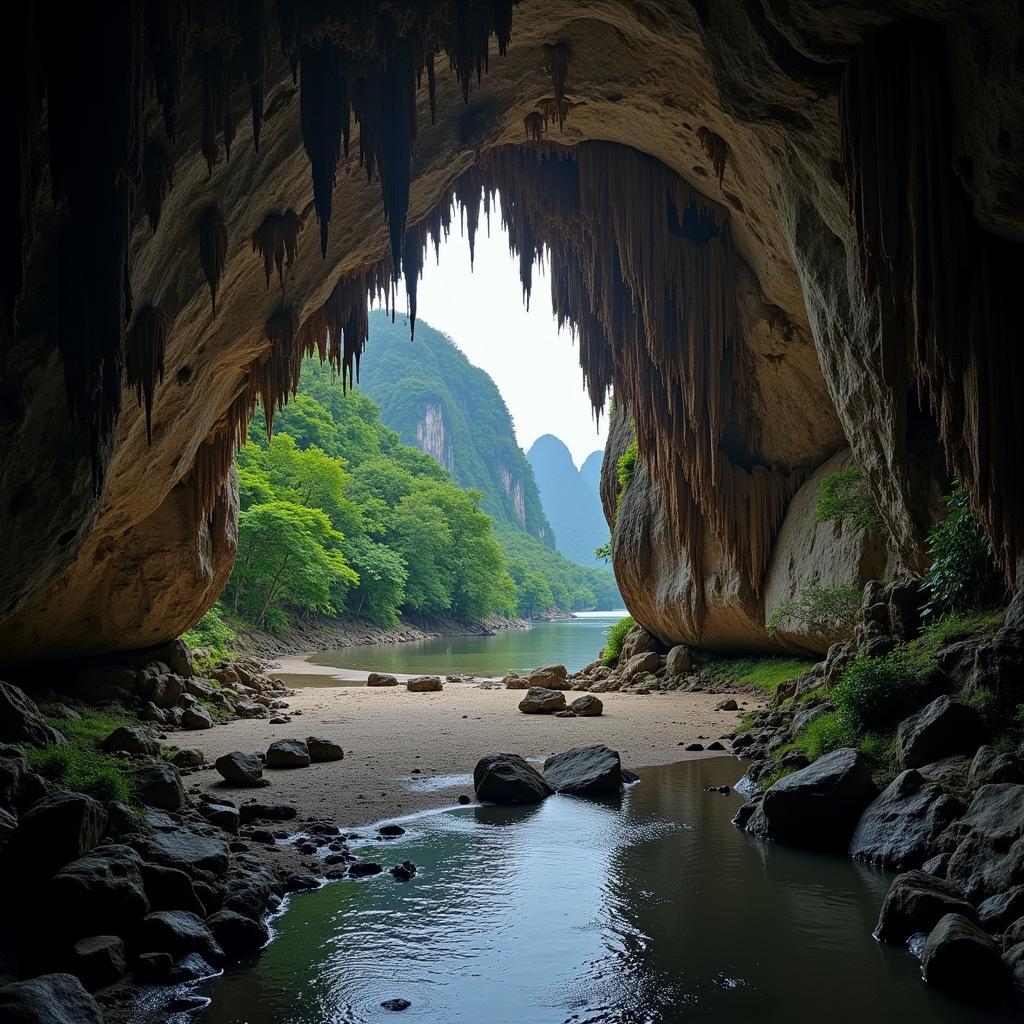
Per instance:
x=651, y=909
x=569, y=642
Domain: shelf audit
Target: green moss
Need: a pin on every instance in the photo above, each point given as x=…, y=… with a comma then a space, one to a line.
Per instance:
x=772, y=777
x=765, y=674
x=616, y=637
x=625, y=469
x=844, y=497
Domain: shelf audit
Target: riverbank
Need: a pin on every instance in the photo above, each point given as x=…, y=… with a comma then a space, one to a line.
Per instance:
x=322, y=632
x=407, y=752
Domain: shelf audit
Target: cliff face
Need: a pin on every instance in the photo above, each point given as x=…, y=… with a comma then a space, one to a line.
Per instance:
x=739, y=103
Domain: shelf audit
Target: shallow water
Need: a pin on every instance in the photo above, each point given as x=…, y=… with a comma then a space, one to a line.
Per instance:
x=569, y=642
x=651, y=909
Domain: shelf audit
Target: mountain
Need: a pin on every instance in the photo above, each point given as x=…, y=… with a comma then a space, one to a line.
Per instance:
x=437, y=401
x=571, y=499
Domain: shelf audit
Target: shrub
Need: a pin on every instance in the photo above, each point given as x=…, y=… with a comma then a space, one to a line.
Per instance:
x=876, y=693
x=844, y=497
x=962, y=574
x=823, y=609
x=625, y=470
x=615, y=639
x=213, y=633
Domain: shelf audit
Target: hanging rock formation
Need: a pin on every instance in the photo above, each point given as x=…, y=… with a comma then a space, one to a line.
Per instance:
x=748, y=313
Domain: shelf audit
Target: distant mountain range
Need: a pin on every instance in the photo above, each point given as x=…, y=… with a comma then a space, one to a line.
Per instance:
x=570, y=498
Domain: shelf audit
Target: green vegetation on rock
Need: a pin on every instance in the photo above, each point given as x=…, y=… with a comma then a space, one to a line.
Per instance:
x=844, y=497
x=615, y=639
x=820, y=608
x=211, y=634
x=766, y=673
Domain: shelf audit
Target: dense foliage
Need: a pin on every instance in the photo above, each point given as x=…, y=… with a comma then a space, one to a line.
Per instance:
x=844, y=497
x=615, y=639
x=212, y=635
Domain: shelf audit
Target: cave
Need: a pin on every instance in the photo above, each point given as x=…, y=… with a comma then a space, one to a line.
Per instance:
x=784, y=236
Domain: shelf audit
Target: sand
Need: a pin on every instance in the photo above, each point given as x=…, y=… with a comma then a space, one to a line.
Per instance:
x=408, y=752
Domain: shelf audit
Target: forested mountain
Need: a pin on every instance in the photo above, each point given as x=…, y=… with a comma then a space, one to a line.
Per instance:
x=571, y=500
x=437, y=401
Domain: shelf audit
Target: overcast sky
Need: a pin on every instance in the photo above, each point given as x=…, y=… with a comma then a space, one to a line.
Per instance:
x=535, y=367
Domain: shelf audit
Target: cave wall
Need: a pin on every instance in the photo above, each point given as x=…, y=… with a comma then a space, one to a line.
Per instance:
x=664, y=78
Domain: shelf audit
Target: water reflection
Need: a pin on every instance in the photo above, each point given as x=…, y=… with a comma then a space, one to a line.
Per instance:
x=657, y=911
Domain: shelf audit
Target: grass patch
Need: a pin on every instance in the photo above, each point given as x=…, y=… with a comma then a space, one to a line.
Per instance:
x=81, y=766
x=771, y=778
x=615, y=639
x=765, y=674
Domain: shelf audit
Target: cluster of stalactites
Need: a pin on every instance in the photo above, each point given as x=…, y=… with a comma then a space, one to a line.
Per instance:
x=277, y=241
x=946, y=289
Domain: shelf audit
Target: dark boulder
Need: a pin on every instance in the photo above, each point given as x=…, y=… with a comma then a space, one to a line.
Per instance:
x=60, y=828
x=939, y=729
x=236, y=933
x=381, y=679
x=542, y=701
x=1013, y=963
x=364, y=869
x=990, y=766
x=587, y=707
x=158, y=784
x=178, y=932
x=397, y=1004
x=240, y=769
x=959, y=957
x=997, y=813
x=189, y=757
x=901, y=827
x=321, y=750
x=288, y=754
x=98, y=960
x=588, y=771
x=819, y=805
x=508, y=779
x=916, y=902
x=251, y=887
x=266, y=812
x=221, y=815
x=103, y=891
x=131, y=739
x=21, y=721
x=196, y=717
x=186, y=851
x=998, y=912
x=49, y=999
x=170, y=889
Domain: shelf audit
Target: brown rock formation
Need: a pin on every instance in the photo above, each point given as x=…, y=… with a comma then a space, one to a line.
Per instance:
x=93, y=513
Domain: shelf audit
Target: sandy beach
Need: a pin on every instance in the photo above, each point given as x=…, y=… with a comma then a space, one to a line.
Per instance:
x=407, y=752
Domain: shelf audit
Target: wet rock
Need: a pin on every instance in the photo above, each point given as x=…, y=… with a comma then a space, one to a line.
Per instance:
x=20, y=720
x=587, y=707
x=998, y=912
x=323, y=750
x=170, y=889
x=60, y=828
x=693, y=746
x=550, y=677
x=959, y=957
x=251, y=887
x=464, y=800
x=196, y=717
x=381, y=679
x=916, y=902
x=159, y=785
x=404, y=871
x=939, y=729
x=901, y=827
x=299, y=881
x=508, y=779
x=131, y=739
x=819, y=805
x=49, y=999
x=240, y=769
x=98, y=960
x=288, y=754
x=715, y=745
x=266, y=812
x=237, y=934
x=103, y=891
x=186, y=851
x=587, y=771
x=364, y=869
x=424, y=684
x=990, y=766
x=390, y=831
x=221, y=815
x=541, y=701
x=629, y=777
x=746, y=811
x=189, y=757
x=396, y=1004
x=178, y=932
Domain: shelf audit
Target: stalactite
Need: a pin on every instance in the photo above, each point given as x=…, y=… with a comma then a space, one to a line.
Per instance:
x=276, y=240
x=278, y=372
x=946, y=288
x=212, y=79
x=250, y=15
x=167, y=32
x=213, y=248
x=716, y=149
x=144, y=358
x=556, y=60
x=157, y=179
x=534, y=124
x=288, y=25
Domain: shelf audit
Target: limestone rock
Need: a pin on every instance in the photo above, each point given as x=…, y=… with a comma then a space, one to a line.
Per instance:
x=508, y=779
x=647, y=661
x=942, y=728
x=585, y=771
x=381, y=679
x=424, y=684
x=288, y=754
x=550, y=677
x=678, y=661
x=511, y=681
x=540, y=701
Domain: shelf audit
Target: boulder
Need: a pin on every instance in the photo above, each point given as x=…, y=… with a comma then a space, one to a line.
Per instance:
x=323, y=750
x=1013, y=961
x=246, y=708
x=196, y=717
x=21, y=721
x=679, y=661
x=647, y=661
x=997, y=813
x=949, y=772
x=990, y=766
x=551, y=677
x=132, y=739
x=819, y=805
x=49, y=999
x=250, y=886
x=188, y=757
x=998, y=912
x=424, y=684
x=916, y=902
x=960, y=958
x=103, y=892
x=727, y=705
x=98, y=960
x=381, y=679
x=170, y=889
x=508, y=779
x=288, y=754
x=177, y=656
x=901, y=827
x=590, y=771
x=184, y=850
x=515, y=682
x=158, y=784
x=162, y=690
x=364, y=869
x=587, y=707
x=240, y=769
x=59, y=828
x=223, y=816
x=237, y=934
x=266, y=812
x=540, y=701
x=940, y=729
x=178, y=932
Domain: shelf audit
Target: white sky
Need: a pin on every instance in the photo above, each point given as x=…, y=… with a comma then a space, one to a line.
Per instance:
x=536, y=369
